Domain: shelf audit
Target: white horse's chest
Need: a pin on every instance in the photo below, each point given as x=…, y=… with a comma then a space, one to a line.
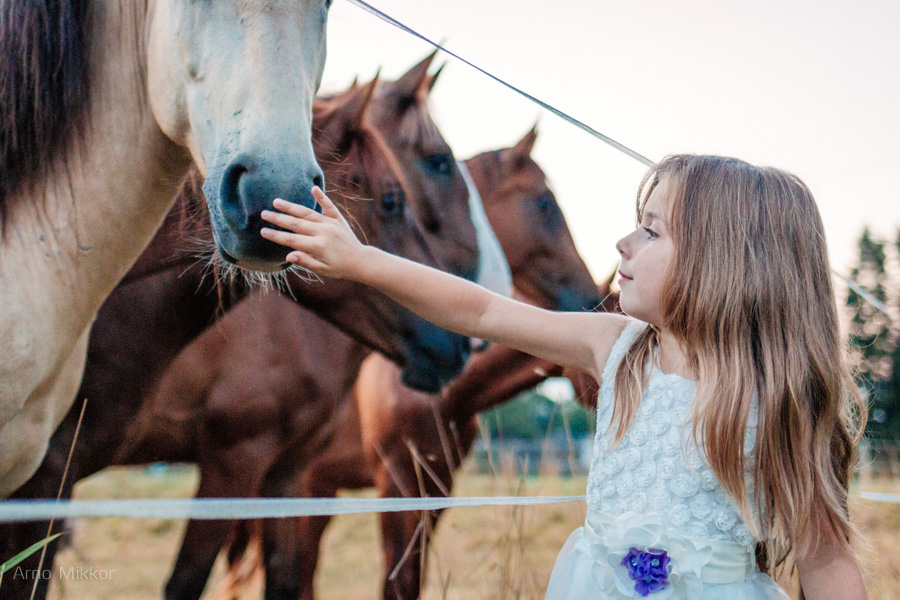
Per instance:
x=43, y=349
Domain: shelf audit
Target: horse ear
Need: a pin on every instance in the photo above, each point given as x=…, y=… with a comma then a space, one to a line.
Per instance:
x=519, y=156
x=433, y=78
x=355, y=108
x=342, y=116
x=524, y=147
x=412, y=82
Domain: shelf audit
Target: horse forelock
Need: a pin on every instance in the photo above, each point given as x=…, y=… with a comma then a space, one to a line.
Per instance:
x=424, y=130
x=489, y=165
x=44, y=86
x=376, y=155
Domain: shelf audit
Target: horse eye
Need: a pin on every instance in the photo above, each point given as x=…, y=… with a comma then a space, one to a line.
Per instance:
x=439, y=163
x=544, y=202
x=392, y=202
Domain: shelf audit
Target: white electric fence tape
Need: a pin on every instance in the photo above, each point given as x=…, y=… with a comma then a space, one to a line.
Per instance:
x=273, y=508
x=249, y=508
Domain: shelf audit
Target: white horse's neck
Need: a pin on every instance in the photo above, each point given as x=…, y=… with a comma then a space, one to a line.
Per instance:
x=63, y=253
x=101, y=208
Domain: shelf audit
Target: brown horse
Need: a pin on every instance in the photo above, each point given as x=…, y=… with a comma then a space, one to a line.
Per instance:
x=103, y=107
x=255, y=426
x=374, y=428
x=166, y=303
x=400, y=114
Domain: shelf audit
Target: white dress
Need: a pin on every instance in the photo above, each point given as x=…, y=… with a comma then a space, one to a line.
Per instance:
x=659, y=525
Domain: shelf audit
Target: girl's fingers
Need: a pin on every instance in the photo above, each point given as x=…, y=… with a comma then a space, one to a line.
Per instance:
x=296, y=210
x=295, y=224
x=328, y=207
x=306, y=261
x=291, y=240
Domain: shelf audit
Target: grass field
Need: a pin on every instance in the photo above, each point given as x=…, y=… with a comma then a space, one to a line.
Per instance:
x=491, y=553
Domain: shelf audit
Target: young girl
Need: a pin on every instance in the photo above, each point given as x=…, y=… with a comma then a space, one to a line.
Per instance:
x=727, y=415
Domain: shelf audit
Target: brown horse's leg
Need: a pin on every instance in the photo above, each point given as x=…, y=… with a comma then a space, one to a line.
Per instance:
x=404, y=538
x=222, y=477
x=241, y=537
x=291, y=546
x=291, y=551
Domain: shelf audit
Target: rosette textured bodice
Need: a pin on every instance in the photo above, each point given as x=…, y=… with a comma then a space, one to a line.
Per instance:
x=658, y=523
x=655, y=469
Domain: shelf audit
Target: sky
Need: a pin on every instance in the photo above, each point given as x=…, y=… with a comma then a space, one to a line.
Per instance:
x=808, y=86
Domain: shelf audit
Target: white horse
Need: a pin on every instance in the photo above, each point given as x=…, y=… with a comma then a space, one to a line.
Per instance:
x=104, y=104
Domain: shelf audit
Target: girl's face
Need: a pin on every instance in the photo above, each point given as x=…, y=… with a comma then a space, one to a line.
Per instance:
x=646, y=254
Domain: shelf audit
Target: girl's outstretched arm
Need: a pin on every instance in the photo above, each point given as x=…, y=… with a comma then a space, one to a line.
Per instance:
x=324, y=244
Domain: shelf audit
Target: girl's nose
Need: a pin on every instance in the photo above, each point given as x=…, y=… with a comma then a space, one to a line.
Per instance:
x=620, y=246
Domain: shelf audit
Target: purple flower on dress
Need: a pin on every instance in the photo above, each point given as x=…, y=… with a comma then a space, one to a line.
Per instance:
x=647, y=569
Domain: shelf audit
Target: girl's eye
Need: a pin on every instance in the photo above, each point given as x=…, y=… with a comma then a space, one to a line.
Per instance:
x=650, y=232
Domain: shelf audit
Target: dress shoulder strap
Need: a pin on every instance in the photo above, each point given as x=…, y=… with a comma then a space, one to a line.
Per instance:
x=628, y=335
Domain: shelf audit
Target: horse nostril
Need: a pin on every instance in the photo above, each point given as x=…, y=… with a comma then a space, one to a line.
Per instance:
x=318, y=181
x=230, y=193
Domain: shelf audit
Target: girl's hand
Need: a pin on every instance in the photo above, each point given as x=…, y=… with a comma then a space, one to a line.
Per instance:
x=322, y=243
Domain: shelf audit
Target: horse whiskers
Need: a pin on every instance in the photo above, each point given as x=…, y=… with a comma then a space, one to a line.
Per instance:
x=205, y=253
x=304, y=274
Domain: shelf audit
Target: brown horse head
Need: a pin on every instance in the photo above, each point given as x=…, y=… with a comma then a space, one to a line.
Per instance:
x=438, y=193
x=366, y=181
x=531, y=228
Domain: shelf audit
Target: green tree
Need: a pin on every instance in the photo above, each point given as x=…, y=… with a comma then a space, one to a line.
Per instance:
x=874, y=334
x=532, y=415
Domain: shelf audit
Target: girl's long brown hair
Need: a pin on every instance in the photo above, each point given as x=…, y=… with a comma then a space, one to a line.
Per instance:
x=749, y=296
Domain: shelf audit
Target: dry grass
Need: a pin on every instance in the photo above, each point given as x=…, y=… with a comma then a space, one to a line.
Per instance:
x=496, y=553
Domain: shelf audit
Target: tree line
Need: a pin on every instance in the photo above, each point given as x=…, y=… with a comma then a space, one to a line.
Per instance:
x=874, y=335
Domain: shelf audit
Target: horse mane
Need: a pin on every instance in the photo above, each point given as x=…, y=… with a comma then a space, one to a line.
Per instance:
x=490, y=163
x=43, y=88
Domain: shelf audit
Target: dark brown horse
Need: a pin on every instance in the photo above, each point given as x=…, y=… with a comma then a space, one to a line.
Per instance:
x=166, y=303
x=376, y=427
x=258, y=424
